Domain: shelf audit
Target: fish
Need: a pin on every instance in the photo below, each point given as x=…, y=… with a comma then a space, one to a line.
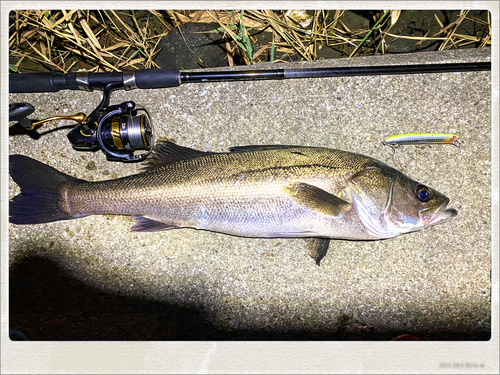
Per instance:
x=268, y=191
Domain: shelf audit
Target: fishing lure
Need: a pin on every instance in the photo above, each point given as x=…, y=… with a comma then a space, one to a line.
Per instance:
x=420, y=139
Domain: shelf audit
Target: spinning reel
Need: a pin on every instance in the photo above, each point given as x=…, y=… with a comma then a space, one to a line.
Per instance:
x=118, y=130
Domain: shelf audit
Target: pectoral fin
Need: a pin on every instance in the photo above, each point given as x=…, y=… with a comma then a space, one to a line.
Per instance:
x=318, y=248
x=317, y=199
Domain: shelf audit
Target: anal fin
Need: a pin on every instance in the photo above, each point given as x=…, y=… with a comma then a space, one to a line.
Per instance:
x=143, y=224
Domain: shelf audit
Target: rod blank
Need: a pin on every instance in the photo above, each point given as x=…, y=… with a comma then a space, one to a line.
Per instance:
x=162, y=78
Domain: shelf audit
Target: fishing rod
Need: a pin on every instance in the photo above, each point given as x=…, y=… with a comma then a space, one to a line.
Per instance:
x=120, y=130
x=163, y=78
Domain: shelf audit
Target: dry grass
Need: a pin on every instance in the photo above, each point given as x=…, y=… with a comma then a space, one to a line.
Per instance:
x=109, y=40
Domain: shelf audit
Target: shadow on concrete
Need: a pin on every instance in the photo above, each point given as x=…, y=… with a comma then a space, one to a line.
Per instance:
x=48, y=304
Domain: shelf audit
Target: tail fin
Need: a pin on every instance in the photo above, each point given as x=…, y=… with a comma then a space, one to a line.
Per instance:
x=39, y=198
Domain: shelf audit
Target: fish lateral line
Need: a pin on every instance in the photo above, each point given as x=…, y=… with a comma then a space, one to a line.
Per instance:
x=287, y=167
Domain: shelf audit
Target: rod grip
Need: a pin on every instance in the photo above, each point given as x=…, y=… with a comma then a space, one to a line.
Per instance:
x=156, y=78
x=54, y=81
x=41, y=82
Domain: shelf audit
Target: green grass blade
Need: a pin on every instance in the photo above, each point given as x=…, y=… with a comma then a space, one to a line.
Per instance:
x=386, y=12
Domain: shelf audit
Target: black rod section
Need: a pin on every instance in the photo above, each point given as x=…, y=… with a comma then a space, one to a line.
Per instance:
x=250, y=75
x=242, y=75
x=162, y=78
x=387, y=70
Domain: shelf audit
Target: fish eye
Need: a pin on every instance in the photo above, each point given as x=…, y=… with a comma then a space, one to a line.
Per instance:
x=423, y=193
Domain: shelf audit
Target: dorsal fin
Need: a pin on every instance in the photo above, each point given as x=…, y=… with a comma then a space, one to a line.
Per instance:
x=166, y=152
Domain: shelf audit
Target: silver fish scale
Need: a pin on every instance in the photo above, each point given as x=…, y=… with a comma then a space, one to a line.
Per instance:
x=239, y=193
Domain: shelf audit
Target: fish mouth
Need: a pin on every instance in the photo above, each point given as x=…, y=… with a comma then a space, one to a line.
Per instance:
x=441, y=215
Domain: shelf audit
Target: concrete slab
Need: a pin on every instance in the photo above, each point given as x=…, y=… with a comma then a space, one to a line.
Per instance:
x=432, y=281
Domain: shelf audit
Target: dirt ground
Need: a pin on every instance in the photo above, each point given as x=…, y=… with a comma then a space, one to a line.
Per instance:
x=194, y=45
